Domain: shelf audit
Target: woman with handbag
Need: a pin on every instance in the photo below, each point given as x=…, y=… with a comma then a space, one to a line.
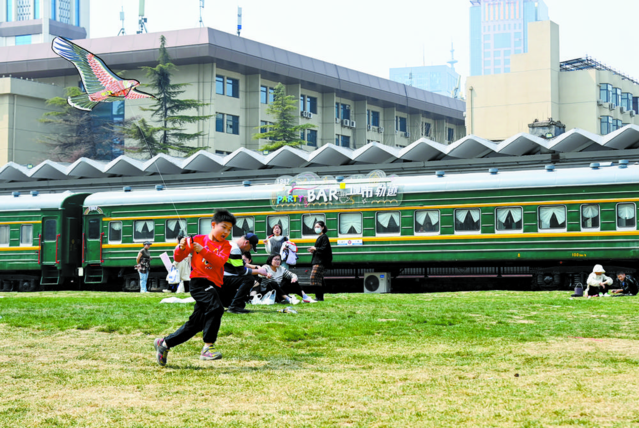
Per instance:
x=274, y=243
x=144, y=265
x=322, y=259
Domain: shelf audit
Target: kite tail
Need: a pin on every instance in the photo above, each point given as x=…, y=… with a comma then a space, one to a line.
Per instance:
x=82, y=102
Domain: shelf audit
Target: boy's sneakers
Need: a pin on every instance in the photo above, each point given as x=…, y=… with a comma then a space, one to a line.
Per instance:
x=308, y=300
x=161, y=351
x=209, y=353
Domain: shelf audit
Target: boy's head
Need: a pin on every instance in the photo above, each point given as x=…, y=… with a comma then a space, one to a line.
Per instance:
x=621, y=276
x=221, y=225
x=246, y=256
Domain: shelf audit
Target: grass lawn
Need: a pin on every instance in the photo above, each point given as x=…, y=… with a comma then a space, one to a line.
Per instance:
x=470, y=359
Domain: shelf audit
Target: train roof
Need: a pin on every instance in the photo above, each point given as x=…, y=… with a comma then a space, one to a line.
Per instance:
x=34, y=201
x=543, y=177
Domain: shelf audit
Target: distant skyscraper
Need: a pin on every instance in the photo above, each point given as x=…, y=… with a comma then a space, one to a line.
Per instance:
x=439, y=79
x=23, y=22
x=498, y=29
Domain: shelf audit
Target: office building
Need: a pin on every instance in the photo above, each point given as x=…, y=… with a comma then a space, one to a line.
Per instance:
x=499, y=29
x=580, y=93
x=236, y=77
x=25, y=22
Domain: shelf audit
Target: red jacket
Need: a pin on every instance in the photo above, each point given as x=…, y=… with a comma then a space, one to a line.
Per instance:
x=208, y=263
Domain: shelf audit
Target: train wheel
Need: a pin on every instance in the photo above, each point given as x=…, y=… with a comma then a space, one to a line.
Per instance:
x=27, y=285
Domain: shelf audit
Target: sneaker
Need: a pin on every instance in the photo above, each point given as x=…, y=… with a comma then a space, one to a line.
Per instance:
x=294, y=300
x=209, y=353
x=233, y=310
x=600, y=294
x=606, y=295
x=166, y=290
x=161, y=351
x=309, y=300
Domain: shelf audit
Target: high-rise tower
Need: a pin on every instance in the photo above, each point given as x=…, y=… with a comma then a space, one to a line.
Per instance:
x=498, y=29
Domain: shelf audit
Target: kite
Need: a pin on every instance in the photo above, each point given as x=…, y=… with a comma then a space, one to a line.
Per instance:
x=101, y=84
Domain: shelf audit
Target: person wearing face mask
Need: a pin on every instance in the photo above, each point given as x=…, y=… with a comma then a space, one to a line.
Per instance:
x=322, y=259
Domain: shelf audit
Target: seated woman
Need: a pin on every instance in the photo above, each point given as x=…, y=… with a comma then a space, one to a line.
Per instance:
x=597, y=282
x=282, y=280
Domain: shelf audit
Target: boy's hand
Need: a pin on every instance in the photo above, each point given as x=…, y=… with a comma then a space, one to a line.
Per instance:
x=197, y=247
x=182, y=243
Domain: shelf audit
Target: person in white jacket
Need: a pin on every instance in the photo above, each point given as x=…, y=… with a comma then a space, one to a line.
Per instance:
x=597, y=284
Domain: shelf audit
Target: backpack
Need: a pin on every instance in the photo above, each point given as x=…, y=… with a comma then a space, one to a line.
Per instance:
x=289, y=253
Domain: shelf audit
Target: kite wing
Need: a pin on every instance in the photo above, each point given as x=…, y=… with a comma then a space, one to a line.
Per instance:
x=95, y=74
x=134, y=94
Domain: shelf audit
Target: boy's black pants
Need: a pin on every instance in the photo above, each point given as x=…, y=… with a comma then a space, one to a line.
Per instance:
x=206, y=317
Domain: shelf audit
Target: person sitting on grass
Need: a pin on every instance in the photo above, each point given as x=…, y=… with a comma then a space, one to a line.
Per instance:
x=624, y=285
x=598, y=282
x=282, y=280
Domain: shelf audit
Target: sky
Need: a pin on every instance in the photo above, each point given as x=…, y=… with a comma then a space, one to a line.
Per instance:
x=374, y=36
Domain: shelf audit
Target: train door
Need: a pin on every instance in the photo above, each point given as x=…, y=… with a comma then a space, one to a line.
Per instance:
x=50, y=242
x=93, y=240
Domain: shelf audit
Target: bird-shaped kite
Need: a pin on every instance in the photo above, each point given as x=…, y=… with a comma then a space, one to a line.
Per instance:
x=101, y=84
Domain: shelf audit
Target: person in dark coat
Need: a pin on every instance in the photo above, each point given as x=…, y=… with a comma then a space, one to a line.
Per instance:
x=624, y=285
x=322, y=259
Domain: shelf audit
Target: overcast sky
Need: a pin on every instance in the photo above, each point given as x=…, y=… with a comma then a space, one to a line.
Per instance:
x=373, y=37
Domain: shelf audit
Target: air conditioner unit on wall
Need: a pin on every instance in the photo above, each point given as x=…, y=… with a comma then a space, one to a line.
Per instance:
x=407, y=134
x=346, y=122
x=600, y=102
x=632, y=113
x=377, y=282
x=337, y=119
x=622, y=109
x=368, y=127
x=380, y=129
x=353, y=124
x=612, y=106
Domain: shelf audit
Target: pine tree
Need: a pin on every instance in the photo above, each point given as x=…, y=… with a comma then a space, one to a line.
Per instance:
x=283, y=132
x=77, y=133
x=167, y=133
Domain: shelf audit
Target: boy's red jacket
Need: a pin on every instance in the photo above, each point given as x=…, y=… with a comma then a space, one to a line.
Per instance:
x=208, y=263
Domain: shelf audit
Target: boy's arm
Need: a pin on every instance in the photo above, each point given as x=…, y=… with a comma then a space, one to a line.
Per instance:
x=180, y=254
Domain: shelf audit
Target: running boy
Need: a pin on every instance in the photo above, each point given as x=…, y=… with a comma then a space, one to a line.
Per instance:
x=210, y=252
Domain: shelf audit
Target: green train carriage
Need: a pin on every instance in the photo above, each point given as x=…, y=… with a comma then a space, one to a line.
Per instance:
x=40, y=240
x=559, y=219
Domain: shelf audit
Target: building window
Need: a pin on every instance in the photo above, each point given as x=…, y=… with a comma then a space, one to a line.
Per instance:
x=342, y=140
x=497, y=54
x=77, y=13
x=342, y=111
x=36, y=9
x=308, y=223
x=232, y=124
x=590, y=217
x=50, y=230
x=281, y=220
x=5, y=235
x=24, y=10
x=219, y=85
x=311, y=137
x=487, y=54
x=388, y=223
x=204, y=226
x=606, y=124
x=509, y=219
x=616, y=96
x=173, y=229
x=400, y=124
x=507, y=53
x=115, y=232
x=243, y=226
x=504, y=40
x=372, y=117
x=26, y=234
x=467, y=220
x=552, y=217
x=65, y=11
x=232, y=87
x=10, y=10
x=626, y=216
x=219, y=122
x=626, y=101
x=605, y=92
x=308, y=104
x=350, y=224
x=635, y=104
x=263, y=94
x=263, y=128
x=497, y=62
x=450, y=134
x=487, y=63
x=94, y=229
x=616, y=124
x=271, y=95
x=143, y=230
x=517, y=51
x=426, y=222
x=506, y=69
x=425, y=129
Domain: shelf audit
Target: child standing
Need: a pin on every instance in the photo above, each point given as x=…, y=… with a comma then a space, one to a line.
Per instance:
x=209, y=252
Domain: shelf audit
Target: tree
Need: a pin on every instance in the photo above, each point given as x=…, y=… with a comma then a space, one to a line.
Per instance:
x=167, y=133
x=78, y=133
x=283, y=132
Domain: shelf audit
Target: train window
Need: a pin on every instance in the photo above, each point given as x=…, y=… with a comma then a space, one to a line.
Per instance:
x=426, y=222
x=308, y=223
x=468, y=221
x=272, y=220
x=26, y=234
x=552, y=217
x=626, y=216
x=143, y=230
x=173, y=229
x=350, y=224
x=50, y=230
x=508, y=219
x=94, y=228
x=387, y=223
x=115, y=231
x=204, y=226
x=590, y=217
x=243, y=226
x=5, y=231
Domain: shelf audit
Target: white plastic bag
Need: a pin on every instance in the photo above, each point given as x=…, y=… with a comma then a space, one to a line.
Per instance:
x=288, y=253
x=269, y=298
x=180, y=287
x=173, y=277
x=257, y=300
